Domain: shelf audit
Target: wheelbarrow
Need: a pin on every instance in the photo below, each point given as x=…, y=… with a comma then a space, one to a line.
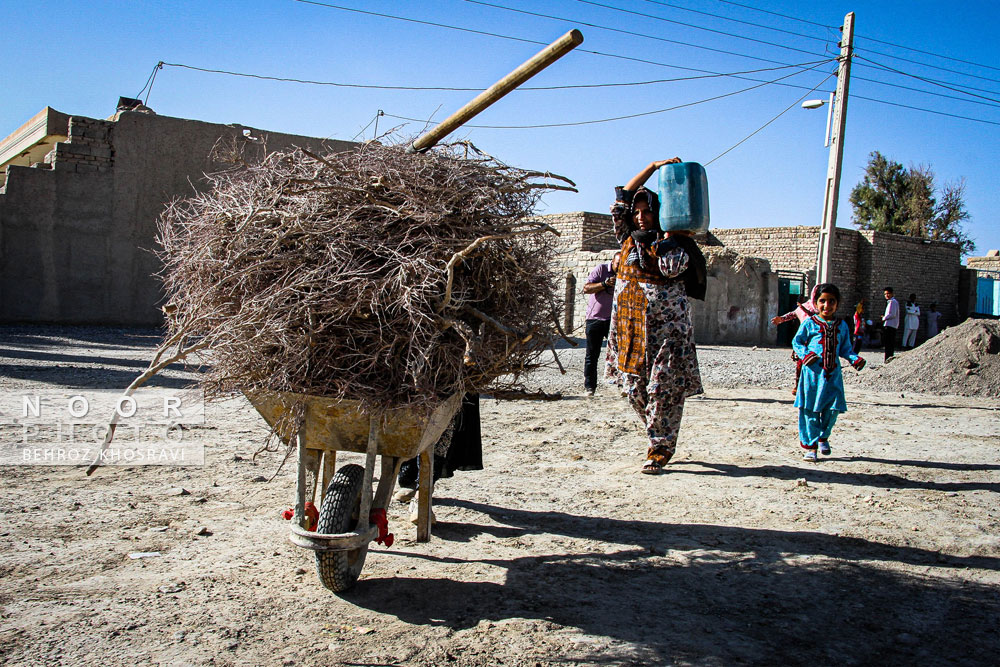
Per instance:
x=351, y=516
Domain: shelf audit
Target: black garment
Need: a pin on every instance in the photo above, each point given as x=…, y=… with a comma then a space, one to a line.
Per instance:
x=597, y=331
x=465, y=452
x=889, y=341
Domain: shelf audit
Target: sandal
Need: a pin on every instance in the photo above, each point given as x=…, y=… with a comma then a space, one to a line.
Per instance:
x=651, y=467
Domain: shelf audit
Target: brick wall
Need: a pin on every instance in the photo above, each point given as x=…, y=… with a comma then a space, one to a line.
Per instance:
x=795, y=249
x=929, y=269
x=991, y=263
x=742, y=291
x=864, y=262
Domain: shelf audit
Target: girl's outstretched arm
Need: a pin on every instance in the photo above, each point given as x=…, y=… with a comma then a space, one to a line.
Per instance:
x=844, y=347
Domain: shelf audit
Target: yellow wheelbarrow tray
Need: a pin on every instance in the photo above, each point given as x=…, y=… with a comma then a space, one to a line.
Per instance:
x=347, y=505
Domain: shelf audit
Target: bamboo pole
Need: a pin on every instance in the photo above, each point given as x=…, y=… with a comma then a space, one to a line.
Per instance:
x=528, y=69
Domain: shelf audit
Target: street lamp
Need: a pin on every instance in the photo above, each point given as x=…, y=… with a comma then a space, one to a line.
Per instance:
x=816, y=104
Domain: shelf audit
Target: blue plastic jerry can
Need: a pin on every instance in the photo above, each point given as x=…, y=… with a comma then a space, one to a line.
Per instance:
x=683, y=197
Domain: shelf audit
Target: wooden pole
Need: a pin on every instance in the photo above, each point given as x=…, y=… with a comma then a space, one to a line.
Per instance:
x=530, y=68
x=828, y=231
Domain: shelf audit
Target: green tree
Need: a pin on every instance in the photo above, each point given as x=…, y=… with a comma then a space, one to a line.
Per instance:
x=891, y=198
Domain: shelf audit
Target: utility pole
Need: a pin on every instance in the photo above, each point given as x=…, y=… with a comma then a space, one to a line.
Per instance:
x=828, y=231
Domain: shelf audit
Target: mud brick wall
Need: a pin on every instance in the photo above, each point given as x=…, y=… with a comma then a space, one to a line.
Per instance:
x=78, y=229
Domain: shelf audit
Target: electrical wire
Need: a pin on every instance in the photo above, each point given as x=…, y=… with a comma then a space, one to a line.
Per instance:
x=602, y=54
x=625, y=117
x=728, y=18
x=633, y=33
x=861, y=36
x=638, y=60
x=687, y=25
x=931, y=111
x=929, y=53
x=476, y=90
x=419, y=21
x=923, y=64
x=784, y=16
x=149, y=80
x=783, y=112
x=966, y=100
x=774, y=44
x=920, y=78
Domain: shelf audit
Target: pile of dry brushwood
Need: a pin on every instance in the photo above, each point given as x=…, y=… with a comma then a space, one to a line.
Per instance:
x=378, y=275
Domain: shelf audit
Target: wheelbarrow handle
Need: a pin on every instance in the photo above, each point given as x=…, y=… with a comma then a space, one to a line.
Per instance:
x=528, y=69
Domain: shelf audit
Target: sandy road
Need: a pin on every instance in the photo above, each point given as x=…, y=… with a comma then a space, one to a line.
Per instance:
x=558, y=553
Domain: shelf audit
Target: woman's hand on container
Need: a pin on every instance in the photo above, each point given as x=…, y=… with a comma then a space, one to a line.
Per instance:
x=659, y=163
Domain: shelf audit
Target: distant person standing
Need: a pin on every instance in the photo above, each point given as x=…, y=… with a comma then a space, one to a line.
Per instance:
x=600, y=291
x=890, y=322
x=910, y=323
x=859, y=326
x=932, y=321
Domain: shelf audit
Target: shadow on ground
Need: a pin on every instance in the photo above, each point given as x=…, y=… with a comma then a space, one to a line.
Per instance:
x=713, y=594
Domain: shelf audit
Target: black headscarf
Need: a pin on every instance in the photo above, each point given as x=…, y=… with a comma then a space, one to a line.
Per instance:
x=695, y=276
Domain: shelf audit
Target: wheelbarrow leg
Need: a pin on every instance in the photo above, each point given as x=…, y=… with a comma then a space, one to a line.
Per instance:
x=386, y=481
x=329, y=469
x=424, y=495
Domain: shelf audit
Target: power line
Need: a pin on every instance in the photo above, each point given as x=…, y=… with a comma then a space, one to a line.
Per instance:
x=632, y=58
x=939, y=81
x=923, y=64
x=930, y=81
x=938, y=113
x=421, y=22
x=633, y=33
x=930, y=53
x=784, y=16
x=862, y=36
x=783, y=112
x=688, y=25
x=774, y=44
x=625, y=117
x=602, y=54
x=727, y=18
x=617, y=84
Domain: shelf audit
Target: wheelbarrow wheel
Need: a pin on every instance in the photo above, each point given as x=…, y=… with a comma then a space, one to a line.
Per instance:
x=339, y=570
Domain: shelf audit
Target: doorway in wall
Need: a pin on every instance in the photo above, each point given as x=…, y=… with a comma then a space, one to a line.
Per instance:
x=791, y=286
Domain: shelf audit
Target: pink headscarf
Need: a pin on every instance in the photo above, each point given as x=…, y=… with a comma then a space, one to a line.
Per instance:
x=808, y=308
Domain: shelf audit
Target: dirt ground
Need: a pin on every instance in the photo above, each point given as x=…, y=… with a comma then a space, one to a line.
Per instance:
x=559, y=552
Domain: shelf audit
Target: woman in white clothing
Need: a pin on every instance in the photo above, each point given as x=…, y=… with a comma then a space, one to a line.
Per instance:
x=911, y=322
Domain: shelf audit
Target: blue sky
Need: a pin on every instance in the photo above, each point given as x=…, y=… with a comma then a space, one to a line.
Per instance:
x=79, y=57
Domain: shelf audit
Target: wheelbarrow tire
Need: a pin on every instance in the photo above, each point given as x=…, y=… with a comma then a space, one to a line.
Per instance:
x=339, y=570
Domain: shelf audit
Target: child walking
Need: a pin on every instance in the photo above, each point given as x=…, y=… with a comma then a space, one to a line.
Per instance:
x=820, y=342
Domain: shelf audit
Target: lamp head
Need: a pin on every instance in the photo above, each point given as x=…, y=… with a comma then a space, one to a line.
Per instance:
x=813, y=104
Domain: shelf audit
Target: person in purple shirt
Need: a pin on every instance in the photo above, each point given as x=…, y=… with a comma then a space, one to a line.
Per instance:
x=600, y=290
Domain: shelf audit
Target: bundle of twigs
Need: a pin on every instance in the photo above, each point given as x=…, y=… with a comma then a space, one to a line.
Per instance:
x=378, y=275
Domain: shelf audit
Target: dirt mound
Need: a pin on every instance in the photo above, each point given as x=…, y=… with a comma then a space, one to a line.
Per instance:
x=962, y=360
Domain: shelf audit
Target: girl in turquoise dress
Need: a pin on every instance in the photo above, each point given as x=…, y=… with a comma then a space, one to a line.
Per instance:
x=820, y=342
